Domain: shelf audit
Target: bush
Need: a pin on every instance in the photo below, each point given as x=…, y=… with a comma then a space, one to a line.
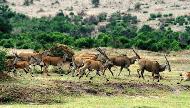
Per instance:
x=103, y=40
x=115, y=16
x=145, y=28
x=170, y=14
x=153, y=16
x=175, y=45
x=137, y=6
x=102, y=16
x=165, y=15
x=159, y=15
x=3, y=1
x=28, y=2
x=7, y=43
x=86, y=29
x=130, y=19
x=180, y=20
x=2, y=60
x=84, y=43
x=95, y=2
x=91, y=20
x=5, y=15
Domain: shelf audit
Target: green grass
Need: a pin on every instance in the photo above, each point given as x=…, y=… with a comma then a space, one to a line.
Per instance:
x=153, y=100
x=172, y=101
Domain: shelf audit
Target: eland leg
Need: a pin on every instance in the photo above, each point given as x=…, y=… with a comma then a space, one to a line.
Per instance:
x=110, y=71
x=120, y=71
x=129, y=71
x=142, y=73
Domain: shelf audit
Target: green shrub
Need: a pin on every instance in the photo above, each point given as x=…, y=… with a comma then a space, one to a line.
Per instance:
x=91, y=20
x=170, y=14
x=95, y=2
x=3, y=1
x=145, y=28
x=86, y=29
x=28, y=2
x=175, y=45
x=153, y=16
x=165, y=15
x=137, y=6
x=159, y=15
x=103, y=40
x=180, y=20
x=5, y=15
x=84, y=43
x=2, y=60
x=102, y=16
x=115, y=16
x=7, y=43
x=130, y=19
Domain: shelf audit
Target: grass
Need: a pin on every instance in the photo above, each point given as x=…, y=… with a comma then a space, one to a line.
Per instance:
x=136, y=99
x=120, y=92
x=88, y=101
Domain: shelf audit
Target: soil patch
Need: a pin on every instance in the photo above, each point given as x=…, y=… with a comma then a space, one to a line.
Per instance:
x=18, y=94
x=113, y=88
x=12, y=93
x=5, y=77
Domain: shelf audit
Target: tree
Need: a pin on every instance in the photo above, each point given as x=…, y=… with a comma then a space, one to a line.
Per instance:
x=96, y=3
x=145, y=28
x=28, y=2
x=5, y=15
x=84, y=43
x=102, y=16
x=137, y=6
x=2, y=60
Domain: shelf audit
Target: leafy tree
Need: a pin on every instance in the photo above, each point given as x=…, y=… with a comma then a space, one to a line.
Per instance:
x=84, y=43
x=145, y=28
x=102, y=16
x=2, y=60
x=104, y=40
x=115, y=16
x=137, y=6
x=5, y=15
x=95, y=2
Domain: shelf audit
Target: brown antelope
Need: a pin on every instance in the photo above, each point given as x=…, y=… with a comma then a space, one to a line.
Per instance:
x=78, y=60
x=123, y=61
x=151, y=66
x=16, y=64
x=184, y=77
x=51, y=60
x=28, y=56
x=95, y=65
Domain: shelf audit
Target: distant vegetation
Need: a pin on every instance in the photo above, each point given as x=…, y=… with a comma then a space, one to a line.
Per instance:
x=20, y=31
x=2, y=60
x=95, y=3
x=28, y=2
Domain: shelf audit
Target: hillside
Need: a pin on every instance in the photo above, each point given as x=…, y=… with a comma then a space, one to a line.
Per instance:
x=146, y=25
x=41, y=8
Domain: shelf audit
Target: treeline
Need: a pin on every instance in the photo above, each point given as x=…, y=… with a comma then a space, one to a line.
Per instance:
x=20, y=31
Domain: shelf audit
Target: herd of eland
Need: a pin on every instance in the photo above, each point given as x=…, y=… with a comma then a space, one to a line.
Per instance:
x=85, y=63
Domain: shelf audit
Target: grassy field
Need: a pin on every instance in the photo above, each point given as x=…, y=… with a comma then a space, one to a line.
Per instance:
x=121, y=91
